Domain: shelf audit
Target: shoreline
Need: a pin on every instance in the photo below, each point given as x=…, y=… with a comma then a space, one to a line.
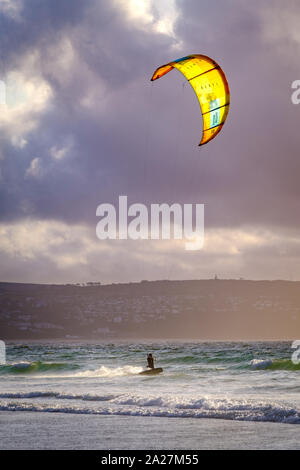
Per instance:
x=24, y=430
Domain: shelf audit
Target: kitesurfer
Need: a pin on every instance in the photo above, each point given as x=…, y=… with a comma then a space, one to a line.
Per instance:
x=150, y=360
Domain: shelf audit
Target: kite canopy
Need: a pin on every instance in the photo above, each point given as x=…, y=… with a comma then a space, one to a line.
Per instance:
x=210, y=85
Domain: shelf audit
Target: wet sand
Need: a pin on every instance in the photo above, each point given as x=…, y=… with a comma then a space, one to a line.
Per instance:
x=25, y=430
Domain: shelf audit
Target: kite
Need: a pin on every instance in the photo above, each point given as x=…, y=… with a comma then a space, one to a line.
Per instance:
x=210, y=85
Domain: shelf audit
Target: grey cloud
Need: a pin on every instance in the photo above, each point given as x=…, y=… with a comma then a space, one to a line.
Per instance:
x=141, y=139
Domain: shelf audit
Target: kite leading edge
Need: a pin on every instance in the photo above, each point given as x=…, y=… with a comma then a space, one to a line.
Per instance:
x=210, y=85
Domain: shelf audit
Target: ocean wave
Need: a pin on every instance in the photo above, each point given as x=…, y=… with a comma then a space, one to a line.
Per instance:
x=260, y=363
x=283, y=364
x=36, y=366
x=183, y=359
x=61, y=369
x=120, y=399
x=50, y=367
x=226, y=409
x=58, y=395
x=110, y=372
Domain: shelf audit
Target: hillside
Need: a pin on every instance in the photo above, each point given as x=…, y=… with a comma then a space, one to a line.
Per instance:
x=204, y=309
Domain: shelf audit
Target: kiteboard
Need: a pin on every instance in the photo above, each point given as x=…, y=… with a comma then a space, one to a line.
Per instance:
x=157, y=370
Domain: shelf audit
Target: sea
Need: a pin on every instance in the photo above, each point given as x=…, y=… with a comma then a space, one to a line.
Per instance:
x=64, y=395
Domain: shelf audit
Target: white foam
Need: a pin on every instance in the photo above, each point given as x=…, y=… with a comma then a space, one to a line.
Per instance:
x=267, y=413
x=109, y=372
x=168, y=406
x=58, y=396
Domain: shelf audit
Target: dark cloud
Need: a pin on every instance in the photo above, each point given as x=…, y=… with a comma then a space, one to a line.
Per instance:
x=123, y=135
x=108, y=137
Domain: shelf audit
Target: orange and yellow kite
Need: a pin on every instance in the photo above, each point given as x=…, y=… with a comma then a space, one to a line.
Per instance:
x=210, y=85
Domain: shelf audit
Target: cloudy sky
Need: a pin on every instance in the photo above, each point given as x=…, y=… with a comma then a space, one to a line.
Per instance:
x=83, y=124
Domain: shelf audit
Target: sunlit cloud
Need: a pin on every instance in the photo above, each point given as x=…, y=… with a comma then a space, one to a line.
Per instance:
x=26, y=97
x=160, y=15
x=74, y=251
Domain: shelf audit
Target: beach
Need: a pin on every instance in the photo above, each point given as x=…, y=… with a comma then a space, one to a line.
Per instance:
x=211, y=395
x=24, y=430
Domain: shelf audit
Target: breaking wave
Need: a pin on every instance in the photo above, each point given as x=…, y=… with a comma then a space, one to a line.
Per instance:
x=37, y=366
x=284, y=364
x=110, y=372
x=49, y=368
x=159, y=406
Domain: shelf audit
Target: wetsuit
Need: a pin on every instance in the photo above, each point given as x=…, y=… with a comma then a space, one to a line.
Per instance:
x=150, y=361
